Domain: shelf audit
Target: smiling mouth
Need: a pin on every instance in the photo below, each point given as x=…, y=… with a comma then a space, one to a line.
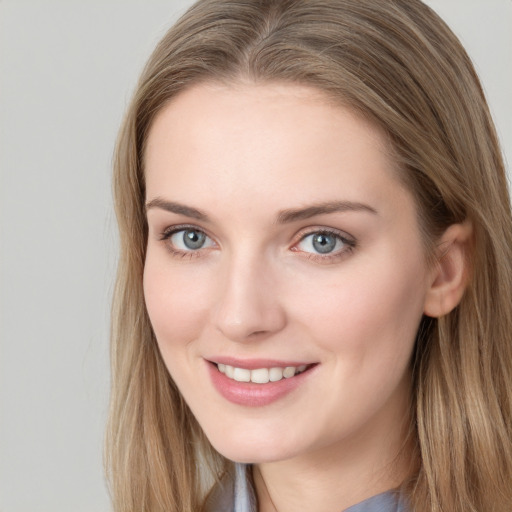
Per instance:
x=261, y=375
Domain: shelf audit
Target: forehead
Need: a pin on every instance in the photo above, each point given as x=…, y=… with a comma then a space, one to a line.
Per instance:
x=260, y=107
x=267, y=141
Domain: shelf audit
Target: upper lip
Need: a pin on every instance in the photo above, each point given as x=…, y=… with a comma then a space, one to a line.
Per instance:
x=254, y=364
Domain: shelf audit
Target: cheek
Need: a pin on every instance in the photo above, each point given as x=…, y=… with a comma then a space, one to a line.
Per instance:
x=367, y=316
x=177, y=302
x=365, y=324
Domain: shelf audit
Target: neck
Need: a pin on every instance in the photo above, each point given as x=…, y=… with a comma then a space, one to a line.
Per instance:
x=332, y=478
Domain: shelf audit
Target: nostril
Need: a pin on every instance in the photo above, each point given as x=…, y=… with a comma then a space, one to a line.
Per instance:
x=257, y=333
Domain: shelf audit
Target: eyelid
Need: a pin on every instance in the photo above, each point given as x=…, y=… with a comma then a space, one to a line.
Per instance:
x=169, y=231
x=349, y=242
x=311, y=230
x=175, y=228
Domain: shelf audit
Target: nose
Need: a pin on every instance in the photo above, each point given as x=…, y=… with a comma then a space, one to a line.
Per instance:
x=248, y=305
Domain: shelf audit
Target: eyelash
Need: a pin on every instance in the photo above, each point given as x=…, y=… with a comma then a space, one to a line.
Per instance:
x=348, y=242
x=169, y=232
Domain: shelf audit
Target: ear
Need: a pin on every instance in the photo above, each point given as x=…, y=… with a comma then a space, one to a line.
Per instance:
x=450, y=273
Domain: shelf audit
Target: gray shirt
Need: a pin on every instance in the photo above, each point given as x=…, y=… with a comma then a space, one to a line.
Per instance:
x=237, y=495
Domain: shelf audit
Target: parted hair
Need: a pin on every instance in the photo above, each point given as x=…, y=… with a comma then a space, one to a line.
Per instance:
x=396, y=63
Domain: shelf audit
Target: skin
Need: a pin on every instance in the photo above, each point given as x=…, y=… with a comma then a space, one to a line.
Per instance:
x=241, y=154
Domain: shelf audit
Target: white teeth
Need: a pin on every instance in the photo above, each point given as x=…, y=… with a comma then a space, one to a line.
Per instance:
x=242, y=375
x=260, y=375
x=288, y=372
x=275, y=374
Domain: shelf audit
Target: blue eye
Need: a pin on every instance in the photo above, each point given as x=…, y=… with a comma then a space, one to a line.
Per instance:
x=189, y=240
x=322, y=242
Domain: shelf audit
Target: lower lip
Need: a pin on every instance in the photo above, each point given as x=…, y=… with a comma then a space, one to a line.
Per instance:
x=250, y=394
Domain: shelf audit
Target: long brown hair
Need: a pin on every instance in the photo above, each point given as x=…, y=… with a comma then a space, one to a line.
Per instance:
x=394, y=62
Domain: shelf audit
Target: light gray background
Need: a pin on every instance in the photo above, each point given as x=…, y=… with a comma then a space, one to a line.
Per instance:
x=67, y=69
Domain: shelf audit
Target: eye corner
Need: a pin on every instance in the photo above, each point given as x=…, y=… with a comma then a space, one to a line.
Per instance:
x=180, y=245
x=340, y=246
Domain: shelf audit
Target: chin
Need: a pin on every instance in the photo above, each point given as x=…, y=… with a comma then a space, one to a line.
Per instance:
x=251, y=449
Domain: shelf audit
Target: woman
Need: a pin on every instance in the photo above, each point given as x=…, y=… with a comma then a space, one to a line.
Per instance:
x=312, y=308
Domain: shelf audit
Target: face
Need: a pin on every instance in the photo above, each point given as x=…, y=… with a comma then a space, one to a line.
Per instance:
x=285, y=275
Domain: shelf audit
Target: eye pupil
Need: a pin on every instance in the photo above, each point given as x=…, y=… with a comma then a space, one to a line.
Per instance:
x=193, y=239
x=324, y=243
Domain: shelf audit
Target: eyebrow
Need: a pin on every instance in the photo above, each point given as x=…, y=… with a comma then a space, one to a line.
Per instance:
x=294, y=215
x=177, y=208
x=283, y=217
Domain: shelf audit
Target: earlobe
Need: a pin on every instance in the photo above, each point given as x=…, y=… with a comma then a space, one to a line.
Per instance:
x=450, y=274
